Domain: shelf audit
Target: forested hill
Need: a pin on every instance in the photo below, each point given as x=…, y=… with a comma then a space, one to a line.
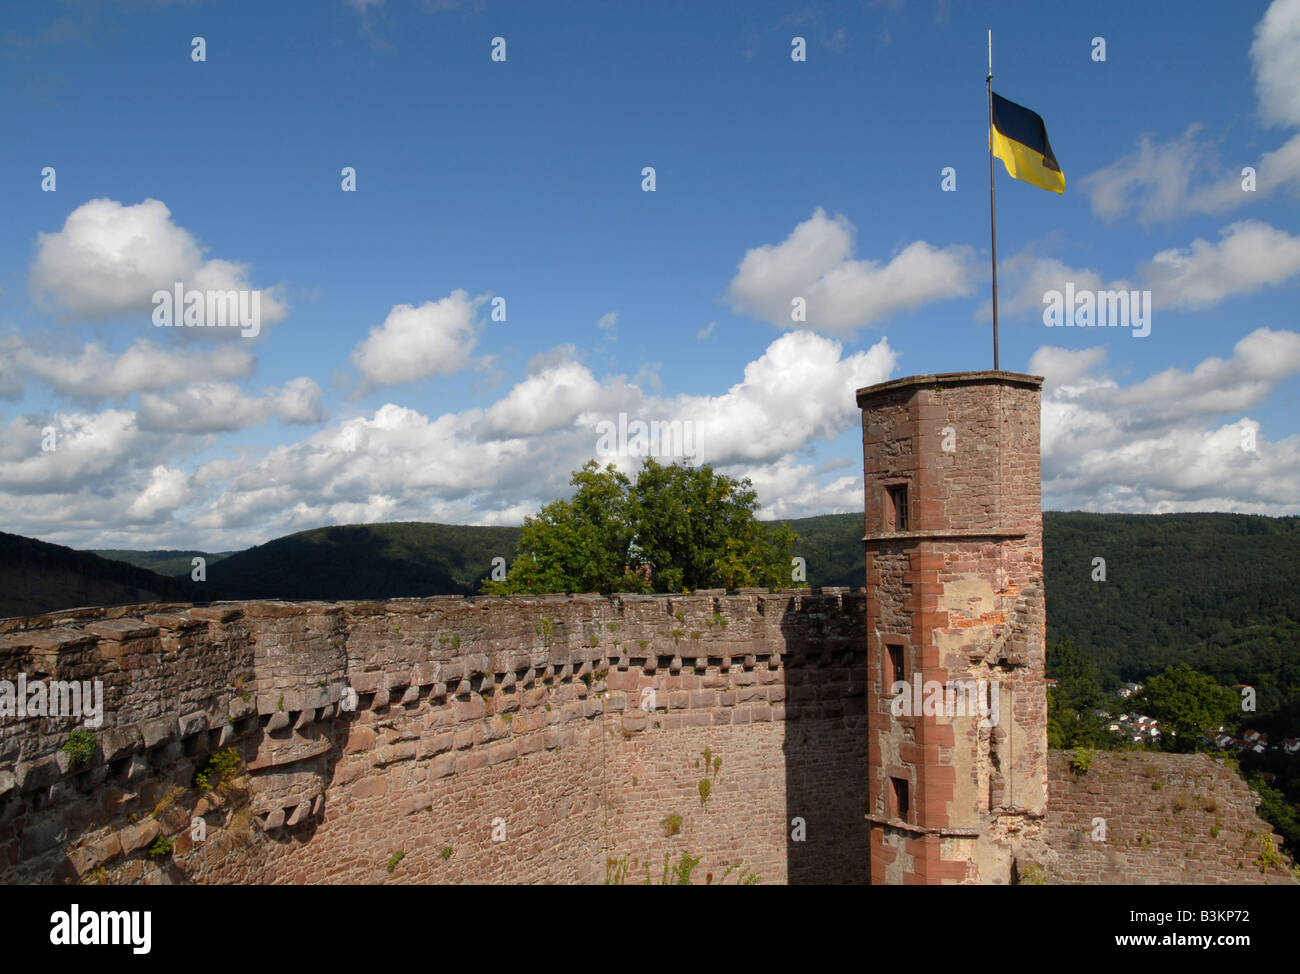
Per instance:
x=1172, y=580
x=365, y=561
x=36, y=577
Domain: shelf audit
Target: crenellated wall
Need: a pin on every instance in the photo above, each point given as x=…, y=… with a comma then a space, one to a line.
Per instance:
x=483, y=740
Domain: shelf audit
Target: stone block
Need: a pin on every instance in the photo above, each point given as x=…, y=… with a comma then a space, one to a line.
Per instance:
x=158, y=731
x=139, y=835
x=117, y=742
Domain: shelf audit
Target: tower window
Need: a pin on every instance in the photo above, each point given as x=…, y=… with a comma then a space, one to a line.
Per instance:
x=897, y=512
x=896, y=663
x=901, y=804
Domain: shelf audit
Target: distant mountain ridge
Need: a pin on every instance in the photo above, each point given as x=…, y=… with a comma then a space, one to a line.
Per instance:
x=37, y=577
x=163, y=561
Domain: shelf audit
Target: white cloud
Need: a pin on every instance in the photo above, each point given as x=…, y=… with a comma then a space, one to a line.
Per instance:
x=1275, y=54
x=1155, y=179
x=414, y=343
x=706, y=331
x=789, y=489
x=1167, y=180
x=143, y=367
x=551, y=358
x=1023, y=279
x=166, y=490
x=87, y=446
x=1249, y=256
x=843, y=294
x=496, y=465
x=607, y=321
x=1161, y=445
x=545, y=401
x=109, y=259
x=802, y=388
x=215, y=407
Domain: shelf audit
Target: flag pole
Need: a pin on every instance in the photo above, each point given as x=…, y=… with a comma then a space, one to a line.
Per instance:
x=993, y=210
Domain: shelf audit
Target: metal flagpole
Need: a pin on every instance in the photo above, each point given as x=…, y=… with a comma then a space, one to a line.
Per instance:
x=993, y=210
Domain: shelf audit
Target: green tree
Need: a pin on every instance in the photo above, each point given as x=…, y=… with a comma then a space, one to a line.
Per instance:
x=576, y=545
x=1187, y=704
x=698, y=530
x=1072, y=704
x=684, y=527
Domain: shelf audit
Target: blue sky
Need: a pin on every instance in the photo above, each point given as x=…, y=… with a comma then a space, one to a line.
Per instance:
x=379, y=387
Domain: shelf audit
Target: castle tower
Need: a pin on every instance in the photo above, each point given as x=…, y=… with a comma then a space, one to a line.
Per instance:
x=955, y=625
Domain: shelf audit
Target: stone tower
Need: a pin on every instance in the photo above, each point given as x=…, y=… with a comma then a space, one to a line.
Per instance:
x=956, y=698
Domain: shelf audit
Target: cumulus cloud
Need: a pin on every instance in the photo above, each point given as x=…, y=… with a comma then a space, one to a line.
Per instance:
x=216, y=407
x=166, y=489
x=546, y=401
x=414, y=343
x=843, y=294
x=1175, y=441
x=1023, y=279
x=109, y=259
x=1164, y=180
x=497, y=464
x=802, y=388
x=67, y=450
x=94, y=372
x=1275, y=54
x=116, y=479
x=1249, y=256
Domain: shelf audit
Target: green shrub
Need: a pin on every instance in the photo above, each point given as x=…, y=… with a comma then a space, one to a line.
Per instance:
x=80, y=746
x=220, y=769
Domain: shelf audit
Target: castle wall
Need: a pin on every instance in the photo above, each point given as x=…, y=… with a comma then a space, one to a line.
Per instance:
x=1137, y=818
x=417, y=733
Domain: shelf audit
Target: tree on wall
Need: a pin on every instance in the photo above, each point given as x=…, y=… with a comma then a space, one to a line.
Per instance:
x=678, y=527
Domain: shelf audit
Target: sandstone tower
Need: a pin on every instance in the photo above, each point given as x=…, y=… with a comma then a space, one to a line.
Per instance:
x=956, y=699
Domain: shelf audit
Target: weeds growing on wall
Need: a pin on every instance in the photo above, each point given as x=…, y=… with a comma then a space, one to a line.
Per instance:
x=680, y=874
x=80, y=746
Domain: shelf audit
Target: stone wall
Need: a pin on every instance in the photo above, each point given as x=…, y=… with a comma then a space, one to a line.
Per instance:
x=1137, y=818
x=446, y=740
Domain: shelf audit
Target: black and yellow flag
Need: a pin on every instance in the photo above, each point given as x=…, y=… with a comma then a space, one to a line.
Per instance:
x=1019, y=139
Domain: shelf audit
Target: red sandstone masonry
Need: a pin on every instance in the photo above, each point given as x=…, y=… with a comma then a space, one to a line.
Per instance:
x=1137, y=818
x=388, y=732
